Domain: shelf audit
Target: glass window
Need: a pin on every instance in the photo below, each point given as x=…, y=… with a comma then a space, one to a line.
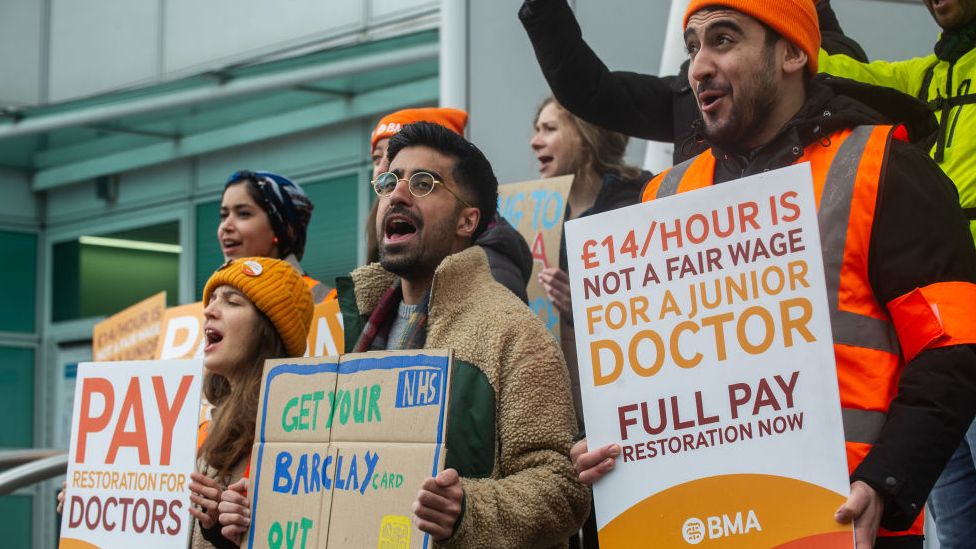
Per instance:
x=17, y=395
x=100, y=275
x=18, y=288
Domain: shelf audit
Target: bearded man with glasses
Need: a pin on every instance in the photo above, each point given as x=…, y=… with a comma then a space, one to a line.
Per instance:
x=508, y=481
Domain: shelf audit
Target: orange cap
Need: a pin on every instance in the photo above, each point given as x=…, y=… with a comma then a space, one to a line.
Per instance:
x=795, y=20
x=452, y=119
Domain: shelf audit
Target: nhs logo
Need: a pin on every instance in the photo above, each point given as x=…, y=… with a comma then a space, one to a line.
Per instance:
x=419, y=387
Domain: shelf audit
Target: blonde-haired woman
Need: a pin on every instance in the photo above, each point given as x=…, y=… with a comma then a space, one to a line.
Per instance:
x=565, y=144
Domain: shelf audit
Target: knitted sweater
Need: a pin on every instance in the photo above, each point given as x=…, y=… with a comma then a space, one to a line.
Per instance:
x=511, y=419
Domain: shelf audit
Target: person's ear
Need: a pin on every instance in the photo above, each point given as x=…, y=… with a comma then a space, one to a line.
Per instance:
x=794, y=58
x=467, y=222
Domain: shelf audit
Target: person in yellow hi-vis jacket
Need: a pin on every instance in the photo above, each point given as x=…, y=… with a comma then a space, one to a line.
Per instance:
x=944, y=80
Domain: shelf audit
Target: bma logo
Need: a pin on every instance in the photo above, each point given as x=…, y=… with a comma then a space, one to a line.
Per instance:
x=418, y=387
x=695, y=531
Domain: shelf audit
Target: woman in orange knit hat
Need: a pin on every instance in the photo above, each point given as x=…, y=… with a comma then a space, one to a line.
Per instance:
x=257, y=308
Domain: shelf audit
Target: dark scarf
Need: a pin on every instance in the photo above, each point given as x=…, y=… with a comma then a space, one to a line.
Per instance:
x=378, y=325
x=955, y=43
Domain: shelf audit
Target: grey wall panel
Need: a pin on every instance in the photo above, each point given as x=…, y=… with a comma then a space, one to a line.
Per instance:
x=630, y=40
x=504, y=88
x=20, y=40
x=888, y=30
x=293, y=156
x=200, y=34
x=506, y=85
x=101, y=44
x=139, y=188
x=384, y=9
x=18, y=204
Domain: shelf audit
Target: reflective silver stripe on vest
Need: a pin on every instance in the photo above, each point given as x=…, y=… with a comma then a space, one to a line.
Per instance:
x=833, y=217
x=862, y=425
x=319, y=293
x=673, y=178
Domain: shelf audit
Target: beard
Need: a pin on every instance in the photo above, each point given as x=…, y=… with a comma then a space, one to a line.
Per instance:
x=418, y=258
x=747, y=119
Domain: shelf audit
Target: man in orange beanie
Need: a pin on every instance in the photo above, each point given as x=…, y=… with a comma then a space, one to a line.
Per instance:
x=509, y=255
x=895, y=245
x=452, y=119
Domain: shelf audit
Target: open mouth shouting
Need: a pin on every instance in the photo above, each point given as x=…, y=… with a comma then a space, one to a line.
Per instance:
x=544, y=162
x=230, y=246
x=711, y=98
x=214, y=337
x=399, y=227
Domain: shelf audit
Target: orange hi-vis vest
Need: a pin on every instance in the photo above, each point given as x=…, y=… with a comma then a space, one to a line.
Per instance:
x=320, y=292
x=846, y=177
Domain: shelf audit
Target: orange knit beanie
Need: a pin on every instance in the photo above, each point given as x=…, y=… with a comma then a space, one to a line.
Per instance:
x=795, y=20
x=276, y=289
x=452, y=119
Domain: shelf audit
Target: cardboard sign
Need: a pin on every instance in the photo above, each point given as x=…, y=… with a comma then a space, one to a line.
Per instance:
x=705, y=352
x=182, y=332
x=133, y=447
x=131, y=334
x=536, y=209
x=342, y=446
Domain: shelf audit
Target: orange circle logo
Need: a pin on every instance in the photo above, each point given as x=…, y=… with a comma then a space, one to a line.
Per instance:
x=252, y=268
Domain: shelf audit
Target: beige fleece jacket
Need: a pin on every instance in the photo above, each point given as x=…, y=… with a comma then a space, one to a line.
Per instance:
x=533, y=497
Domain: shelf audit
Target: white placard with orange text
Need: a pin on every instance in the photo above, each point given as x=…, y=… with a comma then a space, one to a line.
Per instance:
x=705, y=352
x=133, y=447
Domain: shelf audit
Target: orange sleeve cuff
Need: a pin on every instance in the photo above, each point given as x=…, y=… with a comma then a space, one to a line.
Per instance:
x=938, y=315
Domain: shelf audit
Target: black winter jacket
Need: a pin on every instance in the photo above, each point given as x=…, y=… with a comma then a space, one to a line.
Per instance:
x=509, y=256
x=919, y=237
x=639, y=105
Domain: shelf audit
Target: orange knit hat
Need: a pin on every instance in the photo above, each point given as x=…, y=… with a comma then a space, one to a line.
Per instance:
x=452, y=119
x=795, y=20
x=276, y=289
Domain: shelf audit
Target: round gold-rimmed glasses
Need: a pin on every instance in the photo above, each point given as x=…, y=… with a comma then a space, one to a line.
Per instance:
x=420, y=185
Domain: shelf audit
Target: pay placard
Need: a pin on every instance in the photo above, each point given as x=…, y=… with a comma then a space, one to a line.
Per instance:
x=133, y=447
x=705, y=352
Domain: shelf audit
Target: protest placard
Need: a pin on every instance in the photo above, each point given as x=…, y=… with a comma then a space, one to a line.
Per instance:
x=325, y=336
x=535, y=209
x=181, y=333
x=130, y=334
x=705, y=352
x=342, y=446
x=133, y=447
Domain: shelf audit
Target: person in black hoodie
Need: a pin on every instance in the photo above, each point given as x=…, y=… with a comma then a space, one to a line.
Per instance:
x=638, y=105
x=894, y=241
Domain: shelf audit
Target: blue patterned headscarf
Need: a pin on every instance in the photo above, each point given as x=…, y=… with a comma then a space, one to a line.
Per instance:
x=286, y=204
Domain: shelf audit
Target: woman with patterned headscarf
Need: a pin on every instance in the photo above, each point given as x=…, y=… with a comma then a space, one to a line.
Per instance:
x=267, y=215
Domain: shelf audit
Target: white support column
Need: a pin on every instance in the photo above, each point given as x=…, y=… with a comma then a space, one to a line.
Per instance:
x=454, y=54
x=658, y=156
